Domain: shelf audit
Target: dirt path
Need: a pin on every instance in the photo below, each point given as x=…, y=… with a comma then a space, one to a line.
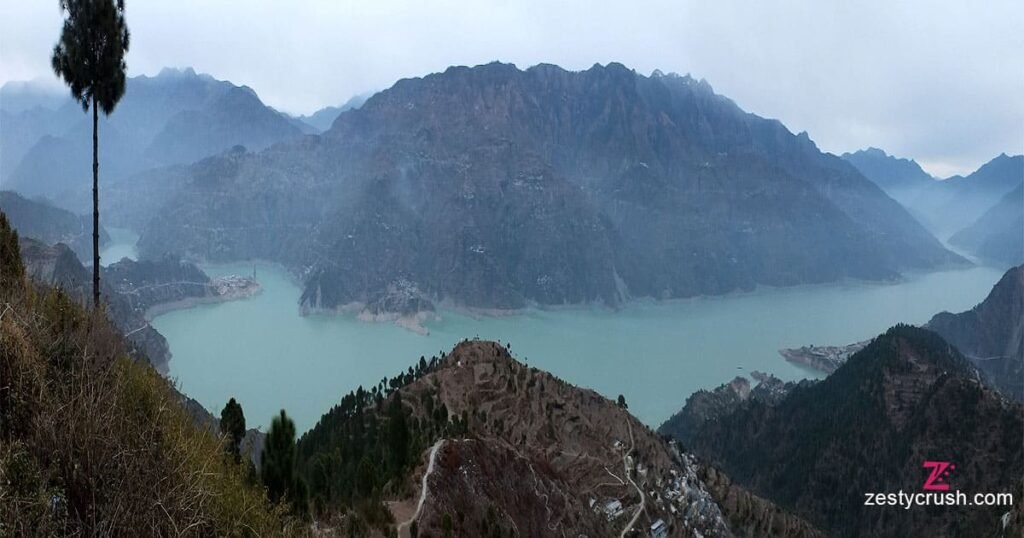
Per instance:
x=643, y=500
x=423, y=489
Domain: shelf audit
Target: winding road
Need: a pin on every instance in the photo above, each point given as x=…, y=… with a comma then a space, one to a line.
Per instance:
x=643, y=500
x=423, y=489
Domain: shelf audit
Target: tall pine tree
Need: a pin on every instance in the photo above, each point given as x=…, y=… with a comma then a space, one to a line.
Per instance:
x=232, y=426
x=90, y=59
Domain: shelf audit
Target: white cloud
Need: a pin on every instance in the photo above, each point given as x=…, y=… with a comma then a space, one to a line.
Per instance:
x=940, y=82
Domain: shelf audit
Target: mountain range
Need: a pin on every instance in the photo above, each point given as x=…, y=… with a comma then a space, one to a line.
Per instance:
x=818, y=448
x=955, y=205
x=175, y=117
x=322, y=119
x=998, y=234
x=495, y=187
x=40, y=220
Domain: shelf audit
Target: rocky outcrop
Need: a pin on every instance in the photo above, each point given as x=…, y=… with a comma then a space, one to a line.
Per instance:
x=991, y=334
x=495, y=187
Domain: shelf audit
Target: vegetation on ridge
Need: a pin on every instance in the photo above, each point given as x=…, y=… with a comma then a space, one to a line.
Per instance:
x=93, y=443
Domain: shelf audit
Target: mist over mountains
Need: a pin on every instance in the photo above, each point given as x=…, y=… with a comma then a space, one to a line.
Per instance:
x=322, y=119
x=950, y=205
x=175, y=117
x=495, y=187
x=998, y=234
x=50, y=224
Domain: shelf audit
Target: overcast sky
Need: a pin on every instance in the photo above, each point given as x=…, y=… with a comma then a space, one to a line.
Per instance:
x=941, y=82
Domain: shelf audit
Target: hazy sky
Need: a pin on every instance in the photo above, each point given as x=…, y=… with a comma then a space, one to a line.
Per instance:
x=942, y=82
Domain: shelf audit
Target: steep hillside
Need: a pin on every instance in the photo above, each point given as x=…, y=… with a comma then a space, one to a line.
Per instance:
x=495, y=187
x=998, y=235
x=49, y=224
x=905, y=398
x=175, y=117
x=992, y=334
x=95, y=444
x=478, y=443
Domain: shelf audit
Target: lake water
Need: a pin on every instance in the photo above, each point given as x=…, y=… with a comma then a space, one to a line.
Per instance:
x=121, y=245
x=261, y=352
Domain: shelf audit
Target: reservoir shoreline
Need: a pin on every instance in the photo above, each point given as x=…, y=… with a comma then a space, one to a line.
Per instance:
x=265, y=354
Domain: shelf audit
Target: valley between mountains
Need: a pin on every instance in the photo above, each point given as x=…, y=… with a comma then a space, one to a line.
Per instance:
x=593, y=272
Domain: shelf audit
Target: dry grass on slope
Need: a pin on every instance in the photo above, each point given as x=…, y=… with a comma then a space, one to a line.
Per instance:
x=93, y=443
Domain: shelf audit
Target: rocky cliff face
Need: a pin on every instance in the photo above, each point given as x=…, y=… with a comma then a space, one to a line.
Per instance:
x=495, y=187
x=49, y=224
x=991, y=334
x=905, y=398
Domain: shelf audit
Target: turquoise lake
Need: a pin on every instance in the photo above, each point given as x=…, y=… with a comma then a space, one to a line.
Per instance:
x=121, y=245
x=263, y=353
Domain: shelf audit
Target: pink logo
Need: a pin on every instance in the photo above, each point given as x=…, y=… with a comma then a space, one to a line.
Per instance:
x=939, y=470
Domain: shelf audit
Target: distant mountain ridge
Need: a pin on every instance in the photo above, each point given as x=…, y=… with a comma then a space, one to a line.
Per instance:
x=905, y=398
x=39, y=220
x=175, y=117
x=495, y=187
x=944, y=206
x=998, y=234
x=887, y=171
x=18, y=96
x=322, y=119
